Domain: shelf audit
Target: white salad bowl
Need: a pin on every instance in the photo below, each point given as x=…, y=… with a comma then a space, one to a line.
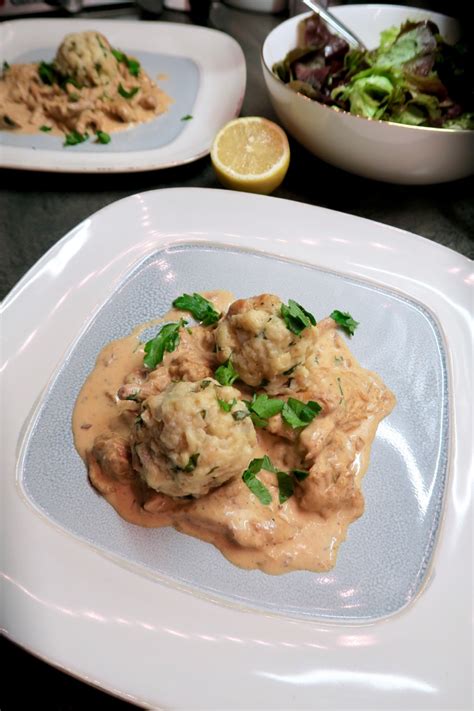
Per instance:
x=381, y=150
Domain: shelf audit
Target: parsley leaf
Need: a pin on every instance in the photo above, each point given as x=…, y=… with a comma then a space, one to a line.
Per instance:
x=286, y=482
x=50, y=75
x=300, y=474
x=261, y=408
x=167, y=339
x=73, y=138
x=267, y=464
x=45, y=129
x=257, y=488
x=188, y=117
x=345, y=321
x=192, y=464
x=133, y=65
x=296, y=317
x=102, y=137
x=47, y=73
x=265, y=406
x=226, y=406
x=127, y=94
x=299, y=414
x=286, y=486
x=226, y=373
x=255, y=485
x=199, y=307
x=119, y=56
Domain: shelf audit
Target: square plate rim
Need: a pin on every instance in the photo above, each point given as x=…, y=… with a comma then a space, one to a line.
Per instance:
x=193, y=142
x=188, y=587
x=450, y=309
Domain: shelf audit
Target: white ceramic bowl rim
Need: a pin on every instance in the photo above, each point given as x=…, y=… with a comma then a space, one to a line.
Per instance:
x=302, y=97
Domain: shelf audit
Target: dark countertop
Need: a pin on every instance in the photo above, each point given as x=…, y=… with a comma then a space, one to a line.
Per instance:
x=37, y=209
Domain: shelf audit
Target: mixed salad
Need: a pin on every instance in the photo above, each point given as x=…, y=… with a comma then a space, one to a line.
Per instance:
x=413, y=77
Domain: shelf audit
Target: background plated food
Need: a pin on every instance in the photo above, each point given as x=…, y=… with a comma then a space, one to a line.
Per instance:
x=90, y=88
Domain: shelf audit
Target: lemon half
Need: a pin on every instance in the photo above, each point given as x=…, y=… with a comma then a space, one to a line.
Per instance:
x=251, y=154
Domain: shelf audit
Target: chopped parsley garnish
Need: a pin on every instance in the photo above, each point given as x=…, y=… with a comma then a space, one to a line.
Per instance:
x=262, y=407
x=103, y=137
x=296, y=317
x=45, y=128
x=265, y=406
x=73, y=138
x=267, y=464
x=345, y=321
x=5, y=66
x=205, y=384
x=300, y=474
x=249, y=477
x=199, y=307
x=47, y=73
x=188, y=117
x=226, y=406
x=286, y=482
x=226, y=373
x=119, y=56
x=133, y=65
x=192, y=463
x=286, y=486
x=256, y=487
x=50, y=75
x=73, y=97
x=167, y=339
x=127, y=94
x=299, y=414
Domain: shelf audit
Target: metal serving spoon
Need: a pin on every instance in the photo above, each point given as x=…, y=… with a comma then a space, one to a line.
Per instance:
x=335, y=24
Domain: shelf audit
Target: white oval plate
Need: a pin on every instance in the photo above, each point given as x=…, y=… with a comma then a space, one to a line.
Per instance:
x=155, y=643
x=205, y=74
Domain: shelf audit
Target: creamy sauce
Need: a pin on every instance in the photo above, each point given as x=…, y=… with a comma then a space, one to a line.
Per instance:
x=305, y=532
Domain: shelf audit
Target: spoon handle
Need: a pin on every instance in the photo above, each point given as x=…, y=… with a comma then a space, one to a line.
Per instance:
x=335, y=24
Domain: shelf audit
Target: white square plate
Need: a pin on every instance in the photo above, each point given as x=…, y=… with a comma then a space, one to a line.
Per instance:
x=203, y=71
x=141, y=636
